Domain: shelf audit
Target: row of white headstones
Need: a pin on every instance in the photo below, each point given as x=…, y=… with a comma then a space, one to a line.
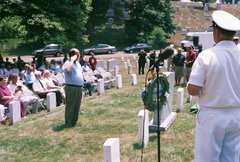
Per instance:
x=15, y=108
x=111, y=147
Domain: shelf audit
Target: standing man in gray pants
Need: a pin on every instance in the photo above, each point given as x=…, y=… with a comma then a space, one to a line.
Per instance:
x=73, y=87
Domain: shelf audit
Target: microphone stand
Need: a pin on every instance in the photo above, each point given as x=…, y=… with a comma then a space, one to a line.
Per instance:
x=158, y=116
x=158, y=111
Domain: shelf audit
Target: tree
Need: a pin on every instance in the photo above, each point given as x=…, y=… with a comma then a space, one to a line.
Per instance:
x=48, y=21
x=11, y=28
x=146, y=15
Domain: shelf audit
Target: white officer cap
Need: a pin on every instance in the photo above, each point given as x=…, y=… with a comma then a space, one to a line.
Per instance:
x=226, y=20
x=235, y=38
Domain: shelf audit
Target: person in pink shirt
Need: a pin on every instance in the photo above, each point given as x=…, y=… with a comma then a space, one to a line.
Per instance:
x=6, y=96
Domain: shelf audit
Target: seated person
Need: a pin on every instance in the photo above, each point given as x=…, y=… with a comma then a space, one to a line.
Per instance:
x=29, y=77
x=41, y=90
x=21, y=91
x=85, y=67
x=3, y=70
x=88, y=86
x=50, y=84
x=6, y=96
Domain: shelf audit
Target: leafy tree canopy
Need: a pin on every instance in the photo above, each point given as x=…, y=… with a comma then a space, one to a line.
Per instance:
x=50, y=21
x=150, y=18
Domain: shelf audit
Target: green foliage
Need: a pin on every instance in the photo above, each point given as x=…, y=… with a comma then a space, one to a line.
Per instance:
x=10, y=28
x=146, y=15
x=157, y=38
x=45, y=21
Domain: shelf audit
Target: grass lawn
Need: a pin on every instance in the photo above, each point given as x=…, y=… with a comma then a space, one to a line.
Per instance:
x=42, y=137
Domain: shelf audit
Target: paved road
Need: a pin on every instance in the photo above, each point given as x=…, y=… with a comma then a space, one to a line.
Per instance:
x=115, y=55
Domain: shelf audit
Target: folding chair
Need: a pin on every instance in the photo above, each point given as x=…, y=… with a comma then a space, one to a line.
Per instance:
x=41, y=101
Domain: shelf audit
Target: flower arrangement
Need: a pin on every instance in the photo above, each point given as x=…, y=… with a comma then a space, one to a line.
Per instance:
x=150, y=96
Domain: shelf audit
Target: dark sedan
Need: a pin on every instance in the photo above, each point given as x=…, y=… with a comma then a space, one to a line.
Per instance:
x=100, y=48
x=137, y=47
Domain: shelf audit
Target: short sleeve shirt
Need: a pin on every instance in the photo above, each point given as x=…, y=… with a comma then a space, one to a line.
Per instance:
x=216, y=70
x=75, y=76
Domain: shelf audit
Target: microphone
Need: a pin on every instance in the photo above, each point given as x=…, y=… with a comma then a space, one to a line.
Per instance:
x=165, y=54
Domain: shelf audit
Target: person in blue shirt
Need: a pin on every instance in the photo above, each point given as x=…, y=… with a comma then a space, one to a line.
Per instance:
x=73, y=87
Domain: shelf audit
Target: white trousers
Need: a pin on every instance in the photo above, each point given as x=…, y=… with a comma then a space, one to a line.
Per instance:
x=217, y=136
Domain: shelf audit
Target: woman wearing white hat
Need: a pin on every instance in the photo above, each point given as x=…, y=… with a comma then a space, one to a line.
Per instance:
x=215, y=80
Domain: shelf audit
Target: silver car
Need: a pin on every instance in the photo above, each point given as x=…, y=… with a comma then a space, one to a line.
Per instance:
x=100, y=48
x=51, y=49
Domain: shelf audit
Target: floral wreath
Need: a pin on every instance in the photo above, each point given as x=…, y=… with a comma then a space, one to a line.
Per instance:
x=149, y=95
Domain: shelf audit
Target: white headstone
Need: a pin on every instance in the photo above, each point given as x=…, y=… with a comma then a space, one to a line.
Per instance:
x=177, y=8
x=126, y=15
x=206, y=7
x=134, y=57
x=129, y=69
x=116, y=70
x=134, y=79
x=188, y=28
x=148, y=62
x=191, y=8
x=183, y=5
x=119, y=81
x=167, y=117
x=137, y=64
x=122, y=59
x=101, y=63
x=14, y=112
x=143, y=129
x=180, y=99
x=207, y=17
x=51, y=101
x=4, y=46
x=108, y=25
x=100, y=86
x=111, y=63
x=218, y=6
x=110, y=20
x=125, y=65
x=170, y=68
x=128, y=62
x=110, y=13
x=165, y=64
x=184, y=31
x=122, y=3
x=15, y=46
x=111, y=150
x=2, y=109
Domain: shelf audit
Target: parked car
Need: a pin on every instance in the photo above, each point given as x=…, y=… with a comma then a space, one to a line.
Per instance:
x=100, y=48
x=50, y=49
x=137, y=47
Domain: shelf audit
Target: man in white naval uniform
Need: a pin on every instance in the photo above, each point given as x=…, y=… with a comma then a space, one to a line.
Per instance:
x=215, y=79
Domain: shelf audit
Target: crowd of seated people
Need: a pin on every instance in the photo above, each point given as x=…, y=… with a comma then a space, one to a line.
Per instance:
x=40, y=88
x=27, y=82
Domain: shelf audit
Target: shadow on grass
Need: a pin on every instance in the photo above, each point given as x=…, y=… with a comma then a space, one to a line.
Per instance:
x=136, y=146
x=153, y=138
x=61, y=127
